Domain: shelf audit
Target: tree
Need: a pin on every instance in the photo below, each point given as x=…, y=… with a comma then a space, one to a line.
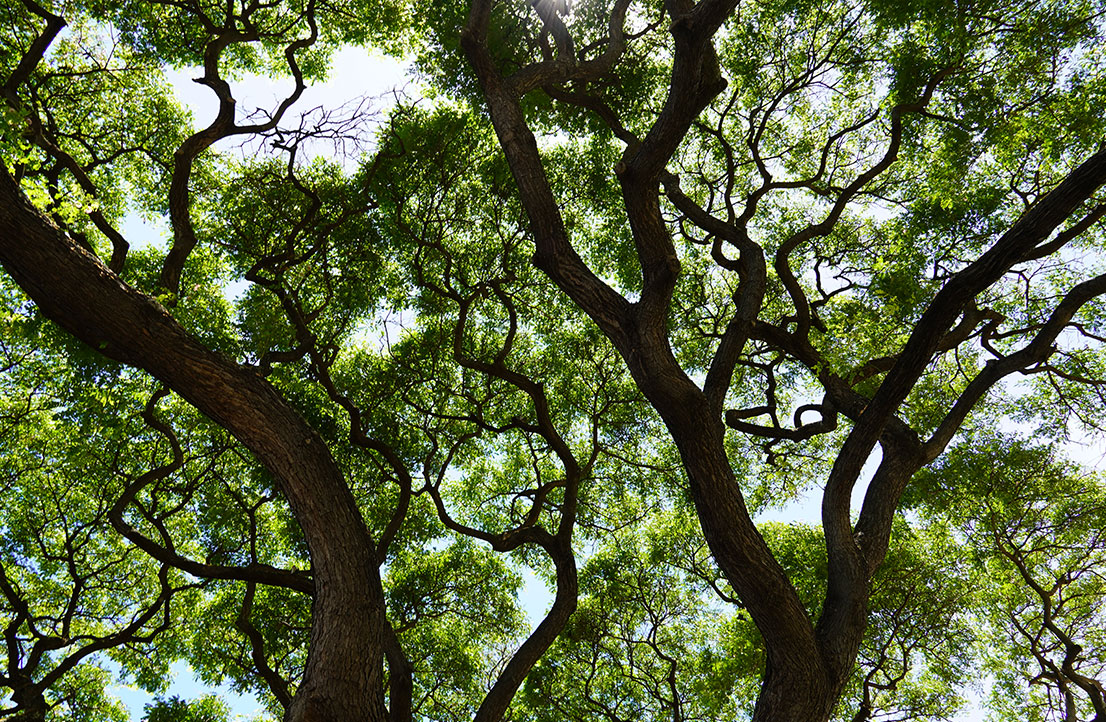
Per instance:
x=635, y=273
x=175, y=709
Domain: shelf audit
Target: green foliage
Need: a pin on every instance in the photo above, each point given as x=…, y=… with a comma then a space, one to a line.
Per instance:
x=1033, y=523
x=488, y=430
x=644, y=641
x=174, y=709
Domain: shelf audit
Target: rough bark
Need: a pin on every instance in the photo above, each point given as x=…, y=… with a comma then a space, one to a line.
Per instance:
x=796, y=685
x=851, y=563
x=343, y=678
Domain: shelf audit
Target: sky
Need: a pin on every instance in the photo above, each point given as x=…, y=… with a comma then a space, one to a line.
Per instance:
x=355, y=73
x=357, y=77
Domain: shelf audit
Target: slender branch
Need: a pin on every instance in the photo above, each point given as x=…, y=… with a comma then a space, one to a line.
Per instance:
x=827, y=224
x=45, y=140
x=277, y=684
x=254, y=572
x=885, y=490
x=223, y=126
x=565, y=68
x=748, y=299
x=1068, y=234
x=1036, y=223
x=30, y=60
x=554, y=252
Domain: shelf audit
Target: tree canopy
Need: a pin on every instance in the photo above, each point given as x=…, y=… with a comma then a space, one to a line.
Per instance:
x=630, y=282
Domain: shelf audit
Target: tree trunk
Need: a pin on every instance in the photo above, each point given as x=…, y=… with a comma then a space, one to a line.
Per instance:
x=29, y=699
x=789, y=697
x=343, y=679
x=797, y=684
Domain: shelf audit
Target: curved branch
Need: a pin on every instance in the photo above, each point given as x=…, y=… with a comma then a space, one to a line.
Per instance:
x=499, y=697
x=224, y=126
x=565, y=68
x=277, y=684
x=873, y=528
x=1036, y=224
x=253, y=573
x=826, y=226
x=45, y=141
x=748, y=299
x=35, y=53
x=554, y=252
x=801, y=432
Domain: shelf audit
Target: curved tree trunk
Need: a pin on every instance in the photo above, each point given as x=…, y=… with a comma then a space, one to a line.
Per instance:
x=343, y=679
x=798, y=682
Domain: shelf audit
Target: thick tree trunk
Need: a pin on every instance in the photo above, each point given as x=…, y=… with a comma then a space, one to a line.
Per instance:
x=787, y=694
x=30, y=700
x=343, y=679
x=798, y=682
